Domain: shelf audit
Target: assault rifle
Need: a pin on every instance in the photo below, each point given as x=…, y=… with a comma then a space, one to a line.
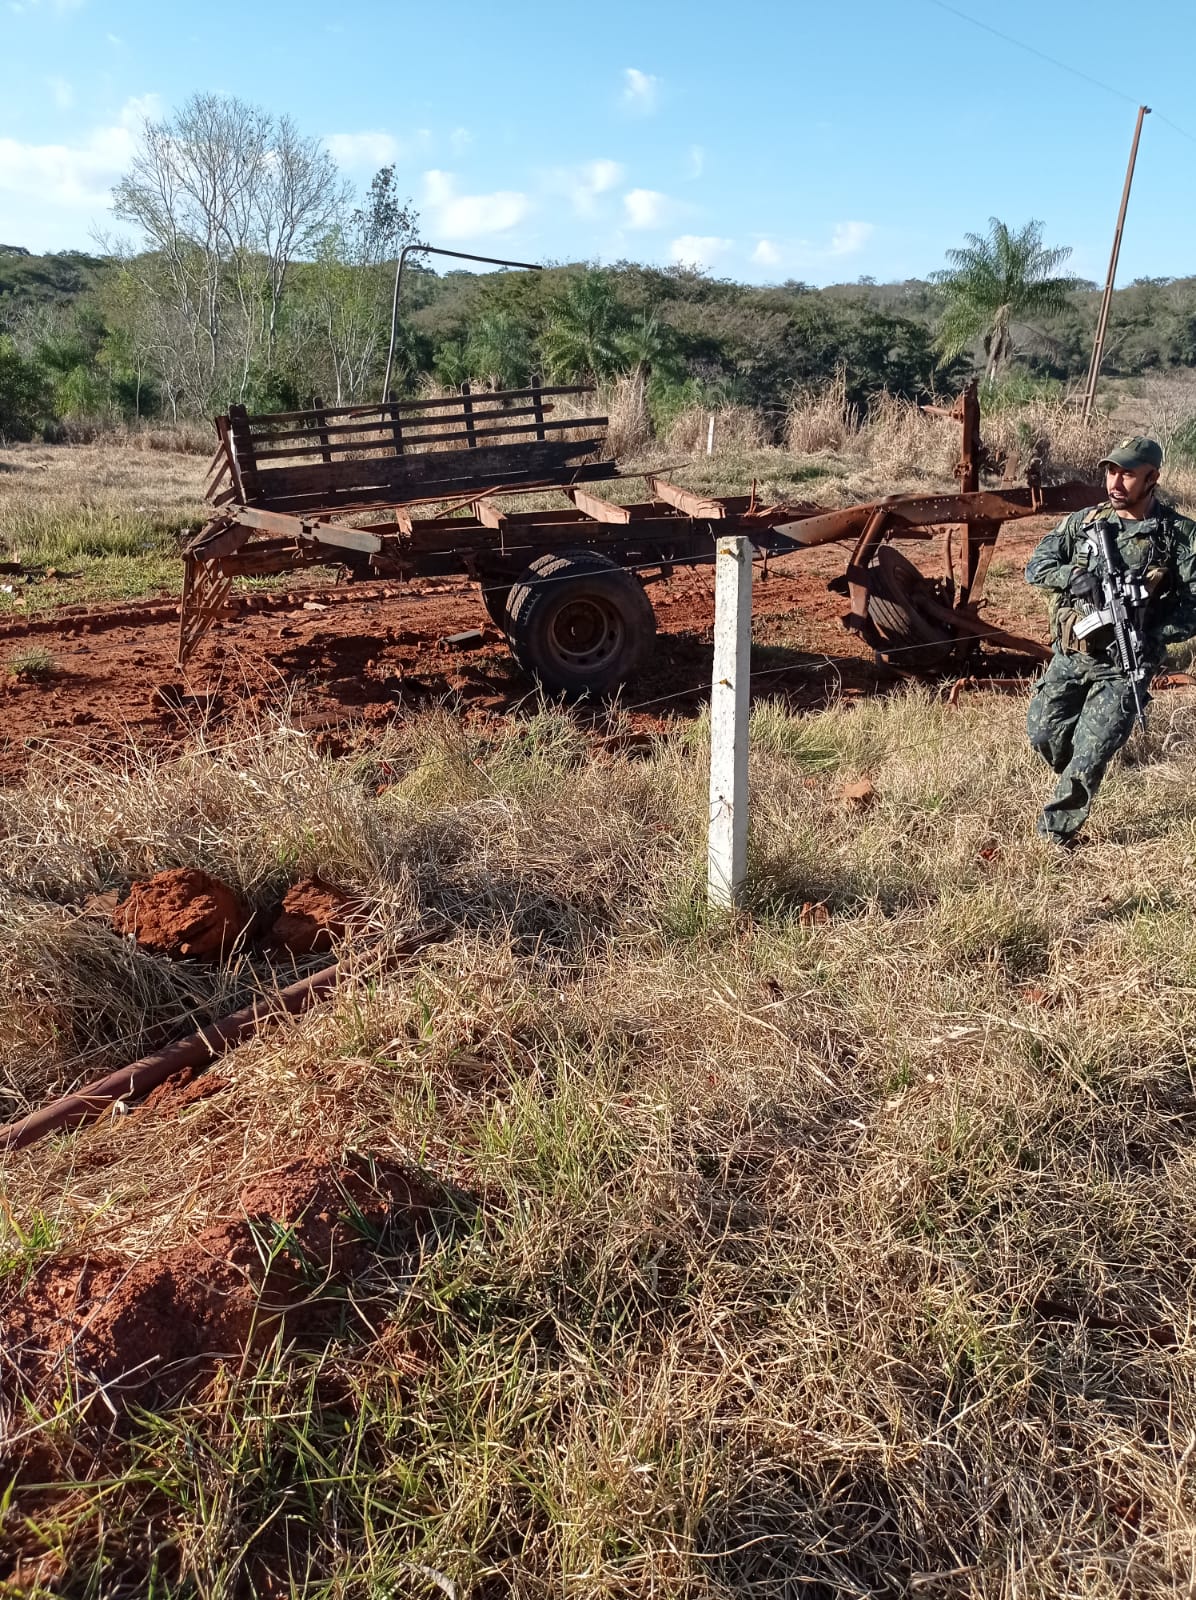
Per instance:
x=1117, y=620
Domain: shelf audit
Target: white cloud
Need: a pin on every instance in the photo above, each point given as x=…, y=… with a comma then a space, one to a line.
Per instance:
x=371, y=148
x=647, y=208
x=61, y=92
x=467, y=216
x=460, y=139
x=584, y=184
x=367, y=149
x=848, y=237
x=141, y=108
x=640, y=91
x=697, y=161
x=78, y=175
x=699, y=249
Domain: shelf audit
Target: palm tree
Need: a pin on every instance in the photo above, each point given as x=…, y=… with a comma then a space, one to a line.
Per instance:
x=995, y=282
x=498, y=351
x=641, y=344
x=582, y=341
x=452, y=363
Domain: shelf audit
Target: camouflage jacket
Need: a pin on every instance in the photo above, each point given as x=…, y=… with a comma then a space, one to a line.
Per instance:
x=1162, y=549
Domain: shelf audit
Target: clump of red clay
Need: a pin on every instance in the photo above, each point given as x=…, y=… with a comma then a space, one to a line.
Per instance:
x=182, y=913
x=141, y=1332
x=314, y=915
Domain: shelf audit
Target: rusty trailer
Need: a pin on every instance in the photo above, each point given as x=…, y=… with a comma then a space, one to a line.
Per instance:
x=423, y=488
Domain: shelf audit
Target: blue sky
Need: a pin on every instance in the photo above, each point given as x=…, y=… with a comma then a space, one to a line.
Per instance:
x=763, y=140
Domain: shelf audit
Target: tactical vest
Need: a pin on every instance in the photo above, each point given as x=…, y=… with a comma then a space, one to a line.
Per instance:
x=1151, y=554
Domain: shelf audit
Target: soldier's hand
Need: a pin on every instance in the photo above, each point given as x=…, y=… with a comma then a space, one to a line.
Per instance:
x=1084, y=585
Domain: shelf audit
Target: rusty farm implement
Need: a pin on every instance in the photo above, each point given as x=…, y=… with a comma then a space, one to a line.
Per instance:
x=410, y=489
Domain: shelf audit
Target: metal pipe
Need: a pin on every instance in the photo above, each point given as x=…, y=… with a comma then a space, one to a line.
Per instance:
x=196, y=1050
x=1102, y=321
x=434, y=250
x=137, y=1079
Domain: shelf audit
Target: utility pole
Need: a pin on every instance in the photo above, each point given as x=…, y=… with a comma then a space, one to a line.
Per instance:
x=1102, y=322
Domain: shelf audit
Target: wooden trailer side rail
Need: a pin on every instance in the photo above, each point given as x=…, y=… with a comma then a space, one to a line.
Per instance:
x=403, y=450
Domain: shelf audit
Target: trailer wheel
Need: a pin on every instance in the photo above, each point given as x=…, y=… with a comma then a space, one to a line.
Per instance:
x=495, y=595
x=916, y=641
x=579, y=623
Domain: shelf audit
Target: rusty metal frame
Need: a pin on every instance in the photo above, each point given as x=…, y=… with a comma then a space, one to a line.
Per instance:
x=495, y=543
x=206, y=588
x=971, y=521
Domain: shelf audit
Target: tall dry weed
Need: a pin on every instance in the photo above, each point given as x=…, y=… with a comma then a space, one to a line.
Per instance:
x=157, y=437
x=821, y=419
x=1051, y=432
x=898, y=438
x=736, y=429
x=625, y=401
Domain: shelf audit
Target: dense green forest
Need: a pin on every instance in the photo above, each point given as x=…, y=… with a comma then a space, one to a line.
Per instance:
x=71, y=347
x=259, y=277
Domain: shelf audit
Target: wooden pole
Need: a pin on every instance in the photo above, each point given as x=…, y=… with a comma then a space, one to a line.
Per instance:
x=1102, y=321
x=727, y=838
x=467, y=403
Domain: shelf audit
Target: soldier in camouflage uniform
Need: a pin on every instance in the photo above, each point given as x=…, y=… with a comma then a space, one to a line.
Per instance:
x=1082, y=710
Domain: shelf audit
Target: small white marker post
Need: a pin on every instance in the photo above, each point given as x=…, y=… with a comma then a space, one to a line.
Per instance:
x=727, y=840
x=710, y=436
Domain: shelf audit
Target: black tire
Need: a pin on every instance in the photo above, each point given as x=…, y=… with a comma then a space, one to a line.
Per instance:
x=916, y=642
x=579, y=623
x=495, y=595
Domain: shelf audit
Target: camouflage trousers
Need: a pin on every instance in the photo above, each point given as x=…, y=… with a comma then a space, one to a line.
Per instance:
x=1081, y=713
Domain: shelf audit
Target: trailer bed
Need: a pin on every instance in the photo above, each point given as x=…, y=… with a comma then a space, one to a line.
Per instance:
x=417, y=489
x=365, y=505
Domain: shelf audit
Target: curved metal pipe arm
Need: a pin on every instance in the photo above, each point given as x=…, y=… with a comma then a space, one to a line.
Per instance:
x=434, y=250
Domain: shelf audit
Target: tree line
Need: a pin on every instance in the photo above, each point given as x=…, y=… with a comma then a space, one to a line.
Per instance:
x=258, y=277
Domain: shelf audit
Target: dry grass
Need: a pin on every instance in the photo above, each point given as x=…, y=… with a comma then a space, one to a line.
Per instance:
x=899, y=440
x=895, y=444
x=836, y=1260
x=736, y=429
x=154, y=438
x=1158, y=404
x=625, y=403
x=106, y=517
x=821, y=420
x=1052, y=433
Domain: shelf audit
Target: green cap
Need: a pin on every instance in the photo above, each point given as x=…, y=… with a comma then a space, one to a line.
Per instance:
x=1135, y=452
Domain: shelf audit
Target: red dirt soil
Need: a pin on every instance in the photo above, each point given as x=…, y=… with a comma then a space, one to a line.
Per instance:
x=182, y=913
x=345, y=660
x=314, y=915
x=118, y=1331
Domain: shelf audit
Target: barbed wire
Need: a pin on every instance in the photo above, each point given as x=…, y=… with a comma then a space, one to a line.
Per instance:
x=703, y=685
x=540, y=582
x=817, y=661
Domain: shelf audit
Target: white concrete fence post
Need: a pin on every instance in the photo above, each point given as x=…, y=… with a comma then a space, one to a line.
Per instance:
x=727, y=842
